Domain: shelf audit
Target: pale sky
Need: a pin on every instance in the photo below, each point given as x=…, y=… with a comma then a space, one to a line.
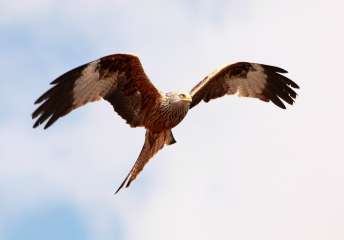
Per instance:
x=241, y=169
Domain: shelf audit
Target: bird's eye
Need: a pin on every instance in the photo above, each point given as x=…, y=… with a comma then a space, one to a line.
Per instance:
x=182, y=95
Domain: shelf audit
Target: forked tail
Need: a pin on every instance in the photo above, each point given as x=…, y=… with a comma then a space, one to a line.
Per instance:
x=153, y=143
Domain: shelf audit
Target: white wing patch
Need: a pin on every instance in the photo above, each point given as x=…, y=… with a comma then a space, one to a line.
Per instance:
x=89, y=87
x=251, y=86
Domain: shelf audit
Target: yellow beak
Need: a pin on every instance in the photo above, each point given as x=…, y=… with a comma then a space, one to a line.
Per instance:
x=187, y=98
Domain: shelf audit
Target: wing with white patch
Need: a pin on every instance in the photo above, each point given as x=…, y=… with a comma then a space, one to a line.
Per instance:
x=248, y=80
x=118, y=78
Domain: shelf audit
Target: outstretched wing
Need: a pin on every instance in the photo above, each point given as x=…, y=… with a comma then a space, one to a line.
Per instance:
x=248, y=80
x=118, y=78
x=153, y=143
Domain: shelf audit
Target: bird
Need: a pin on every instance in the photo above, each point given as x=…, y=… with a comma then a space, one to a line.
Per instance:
x=121, y=80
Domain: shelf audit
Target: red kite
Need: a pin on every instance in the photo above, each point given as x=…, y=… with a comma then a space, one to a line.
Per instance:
x=121, y=80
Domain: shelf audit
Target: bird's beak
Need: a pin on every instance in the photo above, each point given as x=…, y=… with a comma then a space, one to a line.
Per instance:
x=187, y=98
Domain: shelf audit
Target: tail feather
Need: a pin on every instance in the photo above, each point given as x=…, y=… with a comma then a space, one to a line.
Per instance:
x=153, y=143
x=170, y=138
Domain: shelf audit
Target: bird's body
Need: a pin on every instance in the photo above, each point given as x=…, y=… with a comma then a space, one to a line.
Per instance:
x=120, y=79
x=170, y=111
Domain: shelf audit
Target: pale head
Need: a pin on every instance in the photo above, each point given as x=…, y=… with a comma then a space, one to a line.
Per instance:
x=179, y=97
x=174, y=107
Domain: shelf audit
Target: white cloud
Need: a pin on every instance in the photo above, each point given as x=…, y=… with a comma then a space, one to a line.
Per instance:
x=241, y=169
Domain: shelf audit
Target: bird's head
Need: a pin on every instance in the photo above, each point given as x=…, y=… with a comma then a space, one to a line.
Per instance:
x=179, y=97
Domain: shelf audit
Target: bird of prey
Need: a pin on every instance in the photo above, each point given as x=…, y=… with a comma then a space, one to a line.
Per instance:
x=120, y=79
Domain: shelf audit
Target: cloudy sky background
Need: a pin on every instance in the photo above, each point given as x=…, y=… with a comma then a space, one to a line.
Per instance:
x=241, y=169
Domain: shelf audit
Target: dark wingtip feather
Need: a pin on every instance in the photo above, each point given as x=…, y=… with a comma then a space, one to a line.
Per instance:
x=59, y=79
x=46, y=95
x=274, y=68
x=51, y=121
x=36, y=124
x=285, y=80
x=278, y=102
x=279, y=87
x=294, y=85
x=71, y=74
x=58, y=100
x=37, y=112
x=38, y=100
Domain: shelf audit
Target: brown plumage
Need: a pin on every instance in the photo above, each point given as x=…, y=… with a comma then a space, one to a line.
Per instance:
x=121, y=80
